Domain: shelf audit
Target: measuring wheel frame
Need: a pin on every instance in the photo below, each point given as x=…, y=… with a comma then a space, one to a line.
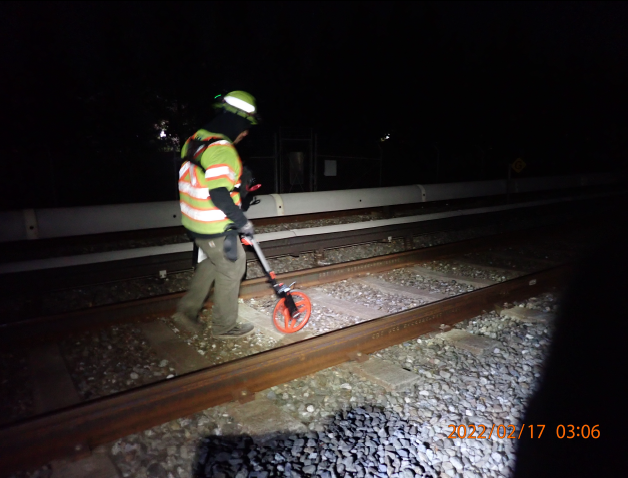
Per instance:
x=294, y=308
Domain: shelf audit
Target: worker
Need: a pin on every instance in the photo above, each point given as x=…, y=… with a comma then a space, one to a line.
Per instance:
x=210, y=197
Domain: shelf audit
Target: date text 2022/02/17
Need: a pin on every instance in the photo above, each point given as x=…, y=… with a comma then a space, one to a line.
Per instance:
x=480, y=432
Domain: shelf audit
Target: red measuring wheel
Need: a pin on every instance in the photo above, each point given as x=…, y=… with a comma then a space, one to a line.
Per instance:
x=281, y=315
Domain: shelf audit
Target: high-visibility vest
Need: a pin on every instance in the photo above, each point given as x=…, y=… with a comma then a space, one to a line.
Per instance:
x=222, y=165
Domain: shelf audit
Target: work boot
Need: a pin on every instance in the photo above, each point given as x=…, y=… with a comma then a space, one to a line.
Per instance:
x=237, y=332
x=183, y=322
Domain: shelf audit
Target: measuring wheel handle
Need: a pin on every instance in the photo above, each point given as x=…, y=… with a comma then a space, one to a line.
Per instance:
x=286, y=321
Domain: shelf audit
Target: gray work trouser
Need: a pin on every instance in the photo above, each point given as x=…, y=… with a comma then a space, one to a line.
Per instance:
x=227, y=276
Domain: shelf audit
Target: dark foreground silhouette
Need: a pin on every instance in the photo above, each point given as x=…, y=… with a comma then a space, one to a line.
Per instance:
x=585, y=376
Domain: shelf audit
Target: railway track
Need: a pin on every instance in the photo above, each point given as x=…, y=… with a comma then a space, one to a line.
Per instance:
x=59, y=325
x=80, y=426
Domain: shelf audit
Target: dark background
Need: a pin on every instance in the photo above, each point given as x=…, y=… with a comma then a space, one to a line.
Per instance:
x=88, y=86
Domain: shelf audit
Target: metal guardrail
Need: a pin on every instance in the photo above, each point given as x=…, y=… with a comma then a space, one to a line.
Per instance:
x=32, y=224
x=150, y=265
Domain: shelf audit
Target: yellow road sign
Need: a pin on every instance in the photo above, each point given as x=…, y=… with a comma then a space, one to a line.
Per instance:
x=518, y=165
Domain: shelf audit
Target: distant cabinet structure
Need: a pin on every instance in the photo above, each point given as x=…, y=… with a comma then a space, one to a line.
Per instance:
x=296, y=170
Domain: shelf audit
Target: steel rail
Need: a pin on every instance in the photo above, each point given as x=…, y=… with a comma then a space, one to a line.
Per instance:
x=38, y=440
x=57, y=326
x=99, y=273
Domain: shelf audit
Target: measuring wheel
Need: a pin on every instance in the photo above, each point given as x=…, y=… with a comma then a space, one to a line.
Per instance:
x=281, y=314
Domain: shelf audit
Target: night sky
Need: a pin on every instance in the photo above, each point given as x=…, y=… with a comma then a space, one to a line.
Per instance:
x=87, y=85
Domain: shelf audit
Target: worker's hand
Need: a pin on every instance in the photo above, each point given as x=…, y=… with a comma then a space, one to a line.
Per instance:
x=247, y=229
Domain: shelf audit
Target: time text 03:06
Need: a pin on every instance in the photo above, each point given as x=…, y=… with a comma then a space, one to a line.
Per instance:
x=533, y=431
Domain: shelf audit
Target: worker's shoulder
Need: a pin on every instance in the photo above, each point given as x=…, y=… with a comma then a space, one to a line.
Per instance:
x=203, y=136
x=216, y=139
x=220, y=151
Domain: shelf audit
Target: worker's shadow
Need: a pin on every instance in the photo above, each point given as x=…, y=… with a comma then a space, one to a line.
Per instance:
x=329, y=451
